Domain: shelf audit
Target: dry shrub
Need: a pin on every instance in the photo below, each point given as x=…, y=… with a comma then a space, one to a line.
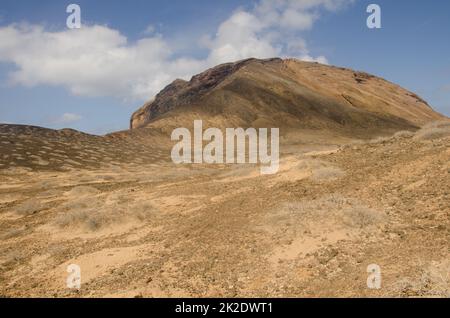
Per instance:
x=432, y=133
x=435, y=130
x=93, y=213
x=238, y=170
x=438, y=124
x=379, y=140
x=320, y=170
x=178, y=173
x=29, y=207
x=106, y=177
x=12, y=233
x=79, y=204
x=353, y=143
x=404, y=134
x=310, y=164
x=143, y=210
x=45, y=184
x=361, y=216
x=82, y=191
x=327, y=173
x=75, y=218
x=398, y=135
x=334, y=210
x=433, y=281
x=14, y=171
x=11, y=259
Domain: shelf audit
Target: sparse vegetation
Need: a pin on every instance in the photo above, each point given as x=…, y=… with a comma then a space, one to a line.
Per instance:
x=97, y=212
x=380, y=140
x=431, y=133
x=12, y=233
x=327, y=173
x=336, y=209
x=82, y=191
x=404, y=134
x=432, y=281
x=360, y=216
x=29, y=207
x=74, y=218
x=320, y=170
x=438, y=124
x=434, y=130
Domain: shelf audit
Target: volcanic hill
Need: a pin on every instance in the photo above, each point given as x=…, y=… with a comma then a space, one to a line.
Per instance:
x=289, y=94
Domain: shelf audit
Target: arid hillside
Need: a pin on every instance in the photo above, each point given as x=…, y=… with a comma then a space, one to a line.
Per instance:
x=154, y=229
x=364, y=179
x=39, y=148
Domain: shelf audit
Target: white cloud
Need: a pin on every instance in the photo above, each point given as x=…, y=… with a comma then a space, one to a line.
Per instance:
x=92, y=61
x=270, y=29
x=238, y=38
x=99, y=61
x=67, y=118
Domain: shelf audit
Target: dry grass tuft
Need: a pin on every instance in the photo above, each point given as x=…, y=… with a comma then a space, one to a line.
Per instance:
x=12, y=234
x=334, y=209
x=94, y=213
x=433, y=281
x=436, y=130
x=432, y=133
x=438, y=124
x=327, y=173
x=380, y=140
x=360, y=216
x=77, y=217
x=82, y=191
x=320, y=170
x=29, y=207
x=404, y=134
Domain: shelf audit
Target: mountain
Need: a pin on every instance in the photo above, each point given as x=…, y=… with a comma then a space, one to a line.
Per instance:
x=289, y=94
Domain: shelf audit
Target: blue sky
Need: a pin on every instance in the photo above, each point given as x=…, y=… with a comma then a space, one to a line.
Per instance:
x=92, y=79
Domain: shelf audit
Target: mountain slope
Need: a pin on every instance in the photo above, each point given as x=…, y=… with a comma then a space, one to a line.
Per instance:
x=40, y=148
x=288, y=94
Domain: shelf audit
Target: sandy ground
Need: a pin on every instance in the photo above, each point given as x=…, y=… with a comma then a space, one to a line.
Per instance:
x=153, y=229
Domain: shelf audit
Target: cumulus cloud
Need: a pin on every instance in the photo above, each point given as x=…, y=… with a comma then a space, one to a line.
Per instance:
x=91, y=61
x=99, y=61
x=270, y=29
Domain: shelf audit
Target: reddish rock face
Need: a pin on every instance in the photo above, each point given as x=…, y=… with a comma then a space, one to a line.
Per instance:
x=288, y=92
